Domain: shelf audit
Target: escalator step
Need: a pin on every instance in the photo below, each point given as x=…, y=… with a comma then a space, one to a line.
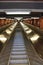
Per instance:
x=18, y=64
x=23, y=52
x=19, y=49
x=19, y=61
x=18, y=56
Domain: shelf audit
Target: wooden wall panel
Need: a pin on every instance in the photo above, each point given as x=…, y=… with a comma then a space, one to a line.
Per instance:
x=41, y=22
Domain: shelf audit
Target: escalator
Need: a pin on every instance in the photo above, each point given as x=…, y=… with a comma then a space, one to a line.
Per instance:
x=19, y=51
x=18, y=54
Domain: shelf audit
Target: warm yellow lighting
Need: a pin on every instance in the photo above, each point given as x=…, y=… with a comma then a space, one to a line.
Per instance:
x=28, y=31
x=11, y=28
x=21, y=23
x=15, y=24
x=8, y=31
x=34, y=38
x=3, y=38
x=26, y=28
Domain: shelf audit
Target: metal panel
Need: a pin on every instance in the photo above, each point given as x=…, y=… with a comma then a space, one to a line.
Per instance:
x=21, y=5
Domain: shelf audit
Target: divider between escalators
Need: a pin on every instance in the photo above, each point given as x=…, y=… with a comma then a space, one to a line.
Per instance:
x=5, y=35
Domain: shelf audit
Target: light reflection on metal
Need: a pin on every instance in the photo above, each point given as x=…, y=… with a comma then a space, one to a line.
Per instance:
x=3, y=38
x=28, y=31
x=34, y=38
x=11, y=28
x=8, y=31
x=24, y=26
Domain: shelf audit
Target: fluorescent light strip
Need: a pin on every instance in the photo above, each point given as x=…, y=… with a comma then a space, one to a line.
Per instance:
x=19, y=12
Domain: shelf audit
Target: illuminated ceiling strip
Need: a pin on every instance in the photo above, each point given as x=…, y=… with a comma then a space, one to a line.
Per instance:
x=19, y=12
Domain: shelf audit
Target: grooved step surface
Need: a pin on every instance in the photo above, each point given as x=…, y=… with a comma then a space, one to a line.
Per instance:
x=18, y=54
x=19, y=64
x=19, y=61
x=19, y=49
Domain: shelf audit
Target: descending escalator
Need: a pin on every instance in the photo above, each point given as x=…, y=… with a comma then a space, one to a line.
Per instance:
x=19, y=51
x=18, y=54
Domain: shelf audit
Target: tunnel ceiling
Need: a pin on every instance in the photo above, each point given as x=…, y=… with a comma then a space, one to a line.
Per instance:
x=33, y=6
x=21, y=5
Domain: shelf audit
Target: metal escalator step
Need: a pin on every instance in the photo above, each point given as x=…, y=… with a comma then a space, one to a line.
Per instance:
x=19, y=49
x=23, y=61
x=18, y=64
x=18, y=46
x=18, y=56
x=23, y=52
x=18, y=41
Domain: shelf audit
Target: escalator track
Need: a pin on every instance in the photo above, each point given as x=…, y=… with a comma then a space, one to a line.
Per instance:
x=19, y=51
x=18, y=55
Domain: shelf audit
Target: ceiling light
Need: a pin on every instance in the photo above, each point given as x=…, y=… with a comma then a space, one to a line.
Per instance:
x=19, y=12
x=34, y=38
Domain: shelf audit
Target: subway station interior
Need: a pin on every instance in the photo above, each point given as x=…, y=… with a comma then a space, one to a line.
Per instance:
x=21, y=32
